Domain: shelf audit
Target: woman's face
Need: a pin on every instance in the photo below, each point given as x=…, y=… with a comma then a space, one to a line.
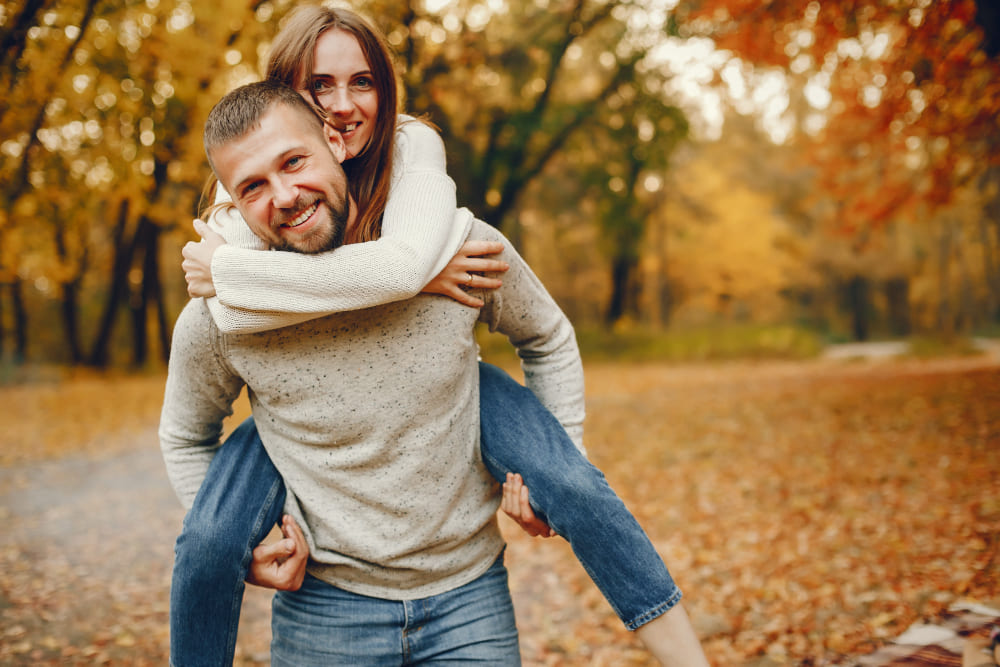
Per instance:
x=344, y=87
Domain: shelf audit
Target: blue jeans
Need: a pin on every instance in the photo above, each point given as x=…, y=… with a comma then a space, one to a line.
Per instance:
x=320, y=625
x=242, y=498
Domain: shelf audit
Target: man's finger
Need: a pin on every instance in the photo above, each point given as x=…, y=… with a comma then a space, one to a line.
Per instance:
x=291, y=530
x=275, y=551
x=508, y=502
x=527, y=513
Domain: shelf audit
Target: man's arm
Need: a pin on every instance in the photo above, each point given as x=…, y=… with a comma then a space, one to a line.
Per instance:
x=524, y=311
x=199, y=394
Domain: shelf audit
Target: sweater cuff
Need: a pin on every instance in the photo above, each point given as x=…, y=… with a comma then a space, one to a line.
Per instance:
x=230, y=272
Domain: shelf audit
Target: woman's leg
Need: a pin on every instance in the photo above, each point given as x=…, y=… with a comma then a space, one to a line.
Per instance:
x=519, y=435
x=239, y=502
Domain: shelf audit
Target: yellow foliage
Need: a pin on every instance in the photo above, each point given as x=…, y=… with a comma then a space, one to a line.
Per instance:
x=735, y=258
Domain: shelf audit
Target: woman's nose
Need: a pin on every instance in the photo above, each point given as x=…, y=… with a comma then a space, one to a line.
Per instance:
x=340, y=101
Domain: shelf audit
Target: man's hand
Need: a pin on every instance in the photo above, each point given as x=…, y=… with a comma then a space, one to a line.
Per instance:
x=197, y=262
x=282, y=564
x=515, y=505
x=465, y=269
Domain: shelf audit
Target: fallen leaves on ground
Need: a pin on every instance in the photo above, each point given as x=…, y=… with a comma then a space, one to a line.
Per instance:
x=808, y=510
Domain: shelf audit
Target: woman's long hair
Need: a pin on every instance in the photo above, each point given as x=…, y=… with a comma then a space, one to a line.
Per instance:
x=292, y=62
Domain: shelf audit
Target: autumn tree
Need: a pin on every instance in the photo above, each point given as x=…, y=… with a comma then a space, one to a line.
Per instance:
x=513, y=90
x=102, y=154
x=914, y=99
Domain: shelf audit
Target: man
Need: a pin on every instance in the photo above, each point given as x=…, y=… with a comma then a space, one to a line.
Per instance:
x=370, y=416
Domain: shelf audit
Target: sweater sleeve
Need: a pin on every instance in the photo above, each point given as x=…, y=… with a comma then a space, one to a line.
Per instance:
x=524, y=311
x=199, y=394
x=421, y=231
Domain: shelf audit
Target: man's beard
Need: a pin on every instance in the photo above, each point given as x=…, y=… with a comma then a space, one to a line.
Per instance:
x=326, y=235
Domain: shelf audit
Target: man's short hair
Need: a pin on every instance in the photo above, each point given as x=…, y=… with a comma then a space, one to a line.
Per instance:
x=242, y=109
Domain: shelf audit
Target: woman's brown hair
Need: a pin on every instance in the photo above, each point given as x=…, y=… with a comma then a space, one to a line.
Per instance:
x=292, y=62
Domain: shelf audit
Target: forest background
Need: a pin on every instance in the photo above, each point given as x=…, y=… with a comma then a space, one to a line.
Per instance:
x=691, y=179
x=801, y=172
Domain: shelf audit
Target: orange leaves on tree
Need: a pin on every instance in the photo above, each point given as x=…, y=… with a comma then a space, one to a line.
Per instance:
x=915, y=99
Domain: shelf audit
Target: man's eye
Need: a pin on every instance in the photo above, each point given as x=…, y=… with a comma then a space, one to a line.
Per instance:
x=293, y=161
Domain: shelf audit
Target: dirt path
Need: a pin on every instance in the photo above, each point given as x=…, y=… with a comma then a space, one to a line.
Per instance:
x=86, y=556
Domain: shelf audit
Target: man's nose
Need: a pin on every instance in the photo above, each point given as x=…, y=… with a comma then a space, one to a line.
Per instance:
x=285, y=193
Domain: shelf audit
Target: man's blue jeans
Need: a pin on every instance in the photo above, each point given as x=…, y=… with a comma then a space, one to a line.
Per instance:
x=320, y=625
x=243, y=496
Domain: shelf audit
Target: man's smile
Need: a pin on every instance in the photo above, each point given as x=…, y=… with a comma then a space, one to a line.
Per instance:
x=301, y=217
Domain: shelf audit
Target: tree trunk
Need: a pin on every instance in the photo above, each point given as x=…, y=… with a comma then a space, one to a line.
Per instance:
x=70, y=315
x=967, y=315
x=154, y=289
x=990, y=246
x=945, y=319
x=20, y=321
x=897, y=294
x=145, y=242
x=117, y=287
x=858, y=292
x=15, y=38
x=148, y=295
x=140, y=341
x=69, y=300
x=623, y=288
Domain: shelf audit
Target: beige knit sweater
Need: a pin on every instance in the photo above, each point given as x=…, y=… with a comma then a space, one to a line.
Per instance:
x=372, y=418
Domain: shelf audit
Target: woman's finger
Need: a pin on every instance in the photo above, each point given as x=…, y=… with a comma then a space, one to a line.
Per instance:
x=465, y=298
x=479, y=248
x=482, y=265
x=483, y=282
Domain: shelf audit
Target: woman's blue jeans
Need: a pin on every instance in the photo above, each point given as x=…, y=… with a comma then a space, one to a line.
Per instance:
x=243, y=496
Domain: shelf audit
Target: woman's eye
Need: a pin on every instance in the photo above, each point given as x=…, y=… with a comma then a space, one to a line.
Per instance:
x=363, y=83
x=319, y=85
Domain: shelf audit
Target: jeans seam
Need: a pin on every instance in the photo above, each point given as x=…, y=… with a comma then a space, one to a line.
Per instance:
x=655, y=612
x=245, y=568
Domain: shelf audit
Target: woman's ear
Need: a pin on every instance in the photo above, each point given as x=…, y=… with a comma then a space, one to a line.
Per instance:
x=336, y=141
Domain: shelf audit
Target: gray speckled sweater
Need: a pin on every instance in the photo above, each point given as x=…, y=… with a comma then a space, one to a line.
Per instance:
x=372, y=418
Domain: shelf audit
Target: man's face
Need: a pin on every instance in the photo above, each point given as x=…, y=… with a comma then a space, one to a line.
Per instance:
x=286, y=180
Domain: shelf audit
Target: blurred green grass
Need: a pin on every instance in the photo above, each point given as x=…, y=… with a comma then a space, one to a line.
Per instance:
x=696, y=344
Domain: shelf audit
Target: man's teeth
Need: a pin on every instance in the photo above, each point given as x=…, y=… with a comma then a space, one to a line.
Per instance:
x=302, y=217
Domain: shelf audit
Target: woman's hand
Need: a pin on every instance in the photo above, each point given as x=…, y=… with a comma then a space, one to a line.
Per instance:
x=465, y=270
x=281, y=565
x=515, y=505
x=197, y=262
